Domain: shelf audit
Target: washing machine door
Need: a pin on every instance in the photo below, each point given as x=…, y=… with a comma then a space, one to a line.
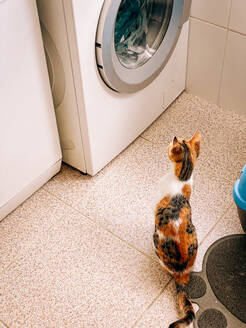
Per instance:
x=135, y=39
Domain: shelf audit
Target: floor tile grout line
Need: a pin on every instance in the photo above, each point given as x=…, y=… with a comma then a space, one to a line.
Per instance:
x=224, y=178
x=3, y=323
x=95, y=221
x=217, y=222
x=152, y=303
x=150, y=141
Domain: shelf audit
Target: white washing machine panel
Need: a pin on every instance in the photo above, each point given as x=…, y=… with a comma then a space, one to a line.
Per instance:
x=97, y=120
x=60, y=69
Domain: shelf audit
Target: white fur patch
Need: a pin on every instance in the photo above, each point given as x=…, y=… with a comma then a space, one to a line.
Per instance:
x=169, y=184
x=177, y=223
x=160, y=235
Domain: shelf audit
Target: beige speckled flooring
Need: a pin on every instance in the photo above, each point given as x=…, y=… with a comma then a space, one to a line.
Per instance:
x=78, y=253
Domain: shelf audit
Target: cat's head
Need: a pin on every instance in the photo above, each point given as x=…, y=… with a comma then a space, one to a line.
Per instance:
x=183, y=153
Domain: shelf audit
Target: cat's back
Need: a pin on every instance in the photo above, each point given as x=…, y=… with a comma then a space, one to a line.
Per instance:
x=172, y=212
x=175, y=236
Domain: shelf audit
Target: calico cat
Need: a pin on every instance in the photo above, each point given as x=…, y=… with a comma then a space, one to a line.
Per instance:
x=175, y=237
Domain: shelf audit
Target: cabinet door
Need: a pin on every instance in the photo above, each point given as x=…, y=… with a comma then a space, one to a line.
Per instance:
x=29, y=143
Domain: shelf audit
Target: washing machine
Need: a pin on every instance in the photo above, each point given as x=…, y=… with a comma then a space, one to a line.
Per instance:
x=114, y=67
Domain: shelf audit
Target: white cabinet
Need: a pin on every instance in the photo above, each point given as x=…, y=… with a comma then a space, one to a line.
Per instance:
x=29, y=144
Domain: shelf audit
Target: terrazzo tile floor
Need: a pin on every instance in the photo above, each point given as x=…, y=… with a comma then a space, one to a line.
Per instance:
x=78, y=253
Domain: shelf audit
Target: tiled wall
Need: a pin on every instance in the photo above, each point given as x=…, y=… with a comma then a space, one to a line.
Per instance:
x=217, y=52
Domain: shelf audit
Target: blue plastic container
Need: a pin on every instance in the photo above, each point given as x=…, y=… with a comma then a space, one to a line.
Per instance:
x=239, y=195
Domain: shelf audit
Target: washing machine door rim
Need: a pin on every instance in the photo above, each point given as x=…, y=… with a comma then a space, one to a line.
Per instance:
x=130, y=80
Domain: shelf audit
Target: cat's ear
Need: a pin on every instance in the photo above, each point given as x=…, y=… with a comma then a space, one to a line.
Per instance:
x=195, y=143
x=176, y=149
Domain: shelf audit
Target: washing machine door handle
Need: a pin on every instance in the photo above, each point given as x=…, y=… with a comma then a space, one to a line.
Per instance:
x=135, y=40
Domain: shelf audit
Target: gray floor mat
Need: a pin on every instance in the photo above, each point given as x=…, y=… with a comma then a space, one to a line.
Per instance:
x=220, y=288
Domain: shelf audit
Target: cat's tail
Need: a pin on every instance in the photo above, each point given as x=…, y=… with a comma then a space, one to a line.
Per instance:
x=185, y=307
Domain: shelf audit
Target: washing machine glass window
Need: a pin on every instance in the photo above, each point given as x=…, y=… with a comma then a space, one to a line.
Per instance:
x=140, y=28
x=135, y=40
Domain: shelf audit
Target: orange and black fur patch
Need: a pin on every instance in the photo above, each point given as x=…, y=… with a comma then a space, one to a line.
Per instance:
x=175, y=238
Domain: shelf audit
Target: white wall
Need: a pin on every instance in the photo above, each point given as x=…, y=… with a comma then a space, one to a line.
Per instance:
x=217, y=52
